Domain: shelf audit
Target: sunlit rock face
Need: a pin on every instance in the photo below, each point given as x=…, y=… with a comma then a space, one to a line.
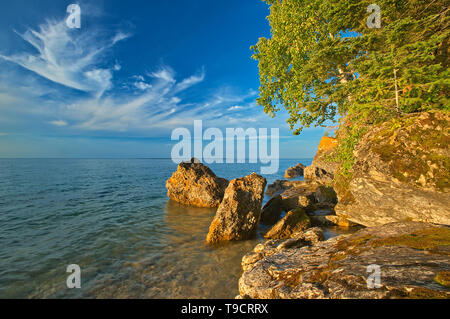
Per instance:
x=401, y=173
x=194, y=184
x=321, y=169
x=412, y=256
x=239, y=212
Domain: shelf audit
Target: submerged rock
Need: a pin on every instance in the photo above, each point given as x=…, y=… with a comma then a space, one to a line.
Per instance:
x=294, y=171
x=240, y=210
x=194, y=184
x=294, y=221
x=410, y=256
x=272, y=210
x=401, y=173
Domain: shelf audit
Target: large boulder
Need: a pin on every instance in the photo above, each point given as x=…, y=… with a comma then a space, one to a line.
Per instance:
x=294, y=171
x=401, y=173
x=194, y=184
x=412, y=256
x=294, y=221
x=272, y=210
x=240, y=210
x=322, y=169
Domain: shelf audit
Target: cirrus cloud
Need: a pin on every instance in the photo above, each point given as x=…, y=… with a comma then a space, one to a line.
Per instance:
x=68, y=57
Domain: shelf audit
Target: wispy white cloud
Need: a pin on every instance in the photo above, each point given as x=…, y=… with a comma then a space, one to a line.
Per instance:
x=120, y=36
x=190, y=81
x=165, y=74
x=59, y=123
x=151, y=103
x=142, y=85
x=153, y=108
x=68, y=57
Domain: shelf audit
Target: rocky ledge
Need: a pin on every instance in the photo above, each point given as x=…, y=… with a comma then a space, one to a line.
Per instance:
x=401, y=173
x=412, y=256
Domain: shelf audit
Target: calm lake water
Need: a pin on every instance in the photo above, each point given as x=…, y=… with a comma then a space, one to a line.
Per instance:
x=111, y=217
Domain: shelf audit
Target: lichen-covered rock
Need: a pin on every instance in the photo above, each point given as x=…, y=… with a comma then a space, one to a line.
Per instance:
x=443, y=278
x=410, y=256
x=297, y=197
x=308, y=195
x=272, y=210
x=308, y=237
x=194, y=184
x=322, y=170
x=295, y=221
x=294, y=171
x=240, y=210
x=401, y=173
x=280, y=186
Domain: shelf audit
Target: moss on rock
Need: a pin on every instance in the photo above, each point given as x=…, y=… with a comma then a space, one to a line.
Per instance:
x=443, y=278
x=426, y=239
x=416, y=149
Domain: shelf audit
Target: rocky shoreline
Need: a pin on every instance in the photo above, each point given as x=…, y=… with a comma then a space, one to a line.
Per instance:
x=407, y=234
x=305, y=266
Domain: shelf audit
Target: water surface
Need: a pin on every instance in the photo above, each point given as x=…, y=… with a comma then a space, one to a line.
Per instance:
x=111, y=217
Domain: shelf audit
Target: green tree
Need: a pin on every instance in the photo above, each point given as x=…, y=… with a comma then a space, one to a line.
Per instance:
x=323, y=60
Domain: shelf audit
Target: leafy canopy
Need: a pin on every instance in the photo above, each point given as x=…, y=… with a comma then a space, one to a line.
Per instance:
x=322, y=60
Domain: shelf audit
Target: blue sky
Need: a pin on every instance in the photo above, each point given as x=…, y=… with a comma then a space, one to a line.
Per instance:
x=135, y=71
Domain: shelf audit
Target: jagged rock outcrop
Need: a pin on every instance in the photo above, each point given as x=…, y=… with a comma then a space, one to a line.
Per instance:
x=401, y=173
x=298, y=197
x=240, y=210
x=413, y=257
x=309, y=196
x=194, y=184
x=293, y=222
x=280, y=186
x=322, y=170
x=295, y=171
x=272, y=210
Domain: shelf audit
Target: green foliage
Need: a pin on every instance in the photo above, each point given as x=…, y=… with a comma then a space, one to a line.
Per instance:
x=343, y=153
x=322, y=60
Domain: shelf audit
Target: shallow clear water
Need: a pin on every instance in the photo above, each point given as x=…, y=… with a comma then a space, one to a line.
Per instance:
x=111, y=217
